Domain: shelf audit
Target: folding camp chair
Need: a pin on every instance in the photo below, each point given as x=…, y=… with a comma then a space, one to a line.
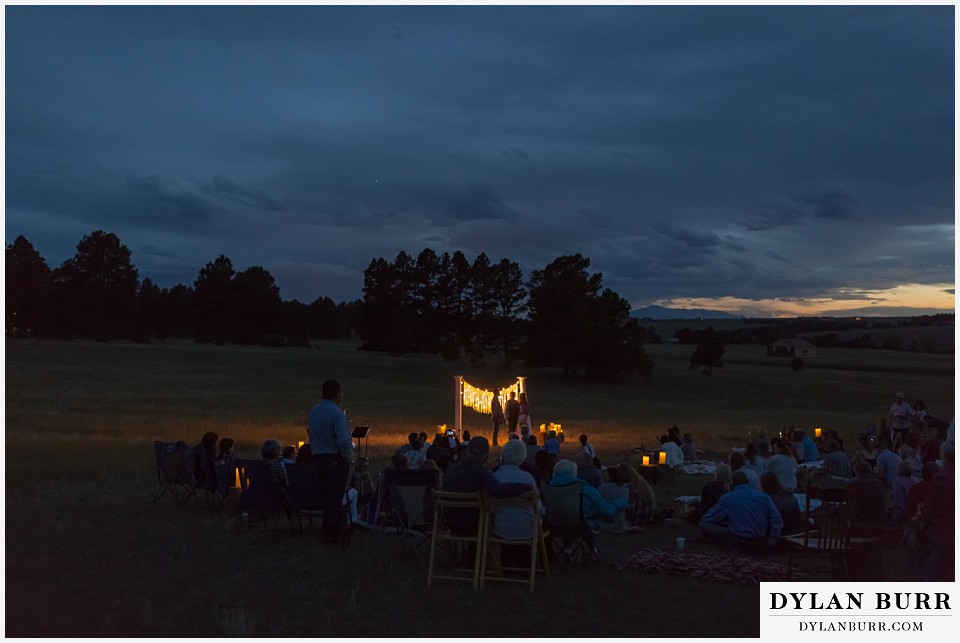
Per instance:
x=260, y=497
x=571, y=534
x=214, y=492
x=411, y=509
x=174, y=470
x=305, y=492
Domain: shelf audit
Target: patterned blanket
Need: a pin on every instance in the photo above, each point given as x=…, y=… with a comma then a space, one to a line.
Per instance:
x=722, y=569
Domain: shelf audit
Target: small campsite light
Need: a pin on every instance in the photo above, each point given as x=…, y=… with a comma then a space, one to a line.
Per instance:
x=816, y=432
x=663, y=457
x=646, y=461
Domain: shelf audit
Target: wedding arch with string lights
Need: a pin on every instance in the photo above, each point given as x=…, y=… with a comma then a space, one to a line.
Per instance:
x=478, y=399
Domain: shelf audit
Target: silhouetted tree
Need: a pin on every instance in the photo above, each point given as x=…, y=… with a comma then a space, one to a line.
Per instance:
x=559, y=312
x=509, y=294
x=708, y=353
x=257, y=311
x=214, y=302
x=579, y=328
x=98, y=286
x=28, y=282
x=151, y=318
x=453, y=304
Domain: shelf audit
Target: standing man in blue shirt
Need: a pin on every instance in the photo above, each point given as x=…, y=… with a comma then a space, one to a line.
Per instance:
x=332, y=447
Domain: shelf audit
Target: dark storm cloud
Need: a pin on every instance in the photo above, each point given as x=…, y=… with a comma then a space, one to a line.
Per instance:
x=689, y=151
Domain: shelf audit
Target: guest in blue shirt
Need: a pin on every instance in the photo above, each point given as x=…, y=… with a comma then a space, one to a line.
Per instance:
x=809, y=451
x=743, y=516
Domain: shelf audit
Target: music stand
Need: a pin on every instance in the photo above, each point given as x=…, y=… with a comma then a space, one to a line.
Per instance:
x=362, y=432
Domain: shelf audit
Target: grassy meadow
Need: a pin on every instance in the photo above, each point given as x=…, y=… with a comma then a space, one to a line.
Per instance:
x=83, y=538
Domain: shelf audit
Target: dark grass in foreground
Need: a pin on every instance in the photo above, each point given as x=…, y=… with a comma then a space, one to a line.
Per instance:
x=101, y=560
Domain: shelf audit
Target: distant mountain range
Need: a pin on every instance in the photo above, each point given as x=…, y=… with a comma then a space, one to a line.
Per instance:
x=659, y=312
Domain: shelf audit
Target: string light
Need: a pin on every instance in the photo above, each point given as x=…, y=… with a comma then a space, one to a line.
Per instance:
x=479, y=399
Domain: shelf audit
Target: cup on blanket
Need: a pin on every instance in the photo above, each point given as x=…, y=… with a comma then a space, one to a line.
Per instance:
x=680, y=543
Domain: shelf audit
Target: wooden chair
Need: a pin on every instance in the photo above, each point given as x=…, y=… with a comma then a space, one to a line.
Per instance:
x=492, y=543
x=445, y=539
x=826, y=529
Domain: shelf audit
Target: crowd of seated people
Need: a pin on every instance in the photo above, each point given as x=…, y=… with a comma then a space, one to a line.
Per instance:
x=735, y=507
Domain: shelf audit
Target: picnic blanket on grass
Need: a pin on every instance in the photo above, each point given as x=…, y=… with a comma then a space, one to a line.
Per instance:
x=723, y=569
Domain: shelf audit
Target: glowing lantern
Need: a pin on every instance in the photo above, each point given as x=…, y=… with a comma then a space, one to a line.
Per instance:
x=663, y=457
x=646, y=461
x=816, y=432
x=237, y=482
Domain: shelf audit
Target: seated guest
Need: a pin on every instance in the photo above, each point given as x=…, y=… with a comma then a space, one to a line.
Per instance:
x=901, y=487
x=424, y=443
x=739, y=463
x=511, y=522
x=785, y=501
x=673, y=433
x=595, y=508
x=362, y=481
x=940, y=507
x=225, y=453
x=642, y=505
x=689, y=449
x=440, y=453
x=866, y=451
x=784, y=465
x=871, y=507
x=888, y=463
x=929, y=446
x=304, y=454
x=289, y=454
x=763, y=444
x=543, y=463
x=532, y=448
x=615, y=488
x=271, y=452
x=910, y=451
x=586, y=470
x=204, y=455
x=714, y=489
x=809, y=451
x=586, y=447
x=552, y=445
x=831, y=434
x=411, y=451
x=752, y=458
x=917, y=491
x=835, y=462
x=674, y=454
x=470, y=473
x=744, y=516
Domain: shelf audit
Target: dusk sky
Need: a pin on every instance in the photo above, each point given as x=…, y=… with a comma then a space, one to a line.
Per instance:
x=758, y=160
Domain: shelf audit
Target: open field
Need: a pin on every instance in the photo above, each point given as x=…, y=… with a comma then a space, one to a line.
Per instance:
x=83, y=538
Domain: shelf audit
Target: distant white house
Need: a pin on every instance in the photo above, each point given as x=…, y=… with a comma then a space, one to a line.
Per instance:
x=793, y=347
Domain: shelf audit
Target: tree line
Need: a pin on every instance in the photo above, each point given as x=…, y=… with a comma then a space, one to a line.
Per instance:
x=97, y=294
x=561, y=316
